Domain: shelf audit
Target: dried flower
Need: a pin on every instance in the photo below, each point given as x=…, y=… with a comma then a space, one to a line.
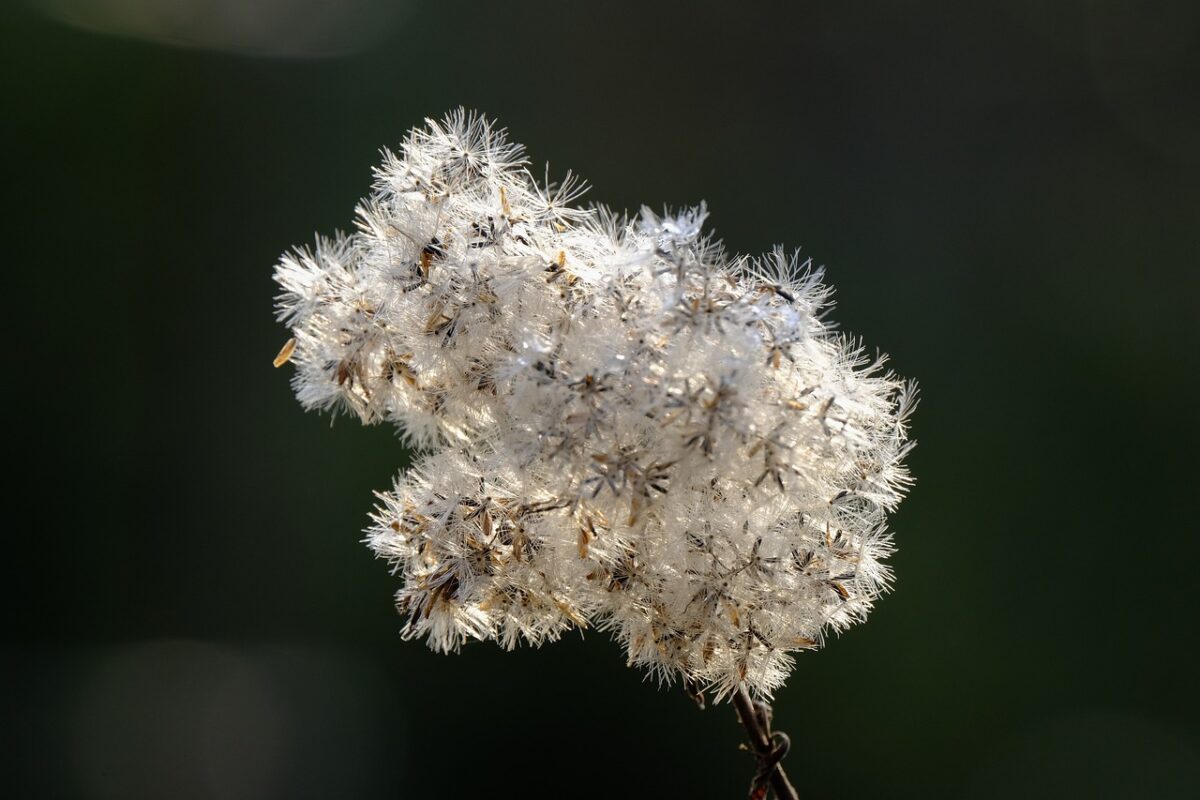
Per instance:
x=618, y=424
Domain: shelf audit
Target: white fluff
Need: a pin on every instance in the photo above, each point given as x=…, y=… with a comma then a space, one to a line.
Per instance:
x=618, y=424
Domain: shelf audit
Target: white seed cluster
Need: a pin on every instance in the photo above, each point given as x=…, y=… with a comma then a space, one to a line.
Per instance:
x=617, y=424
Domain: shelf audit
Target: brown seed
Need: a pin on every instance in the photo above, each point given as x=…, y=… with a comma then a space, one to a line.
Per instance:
x=285, y=353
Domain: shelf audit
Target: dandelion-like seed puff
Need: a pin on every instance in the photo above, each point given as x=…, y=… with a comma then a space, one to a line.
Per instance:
x=617, y=424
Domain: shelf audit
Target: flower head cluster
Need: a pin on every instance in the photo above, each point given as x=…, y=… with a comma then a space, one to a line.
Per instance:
x=617, y=424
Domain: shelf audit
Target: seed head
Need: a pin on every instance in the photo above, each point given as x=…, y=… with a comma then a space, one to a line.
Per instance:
x=617, y=423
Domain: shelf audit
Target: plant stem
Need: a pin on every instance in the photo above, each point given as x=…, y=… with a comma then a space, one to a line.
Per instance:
x=755, y=718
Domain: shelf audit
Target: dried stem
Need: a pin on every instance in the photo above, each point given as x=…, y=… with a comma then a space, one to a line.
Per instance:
x=756, y=719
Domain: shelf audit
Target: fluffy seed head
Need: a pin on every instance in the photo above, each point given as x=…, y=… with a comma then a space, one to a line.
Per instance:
x=617, y=424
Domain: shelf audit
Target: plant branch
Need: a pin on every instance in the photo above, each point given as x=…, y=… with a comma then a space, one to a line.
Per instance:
x=756, y=719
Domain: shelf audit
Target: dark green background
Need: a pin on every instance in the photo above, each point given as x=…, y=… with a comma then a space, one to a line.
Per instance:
x=1007, y=198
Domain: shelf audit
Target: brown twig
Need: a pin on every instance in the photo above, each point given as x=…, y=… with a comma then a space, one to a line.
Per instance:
x=769, y=747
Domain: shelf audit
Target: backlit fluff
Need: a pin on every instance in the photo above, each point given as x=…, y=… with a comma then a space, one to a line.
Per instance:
x=617, y=424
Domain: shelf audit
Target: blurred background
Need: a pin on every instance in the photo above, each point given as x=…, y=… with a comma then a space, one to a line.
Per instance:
x=1006, y=196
